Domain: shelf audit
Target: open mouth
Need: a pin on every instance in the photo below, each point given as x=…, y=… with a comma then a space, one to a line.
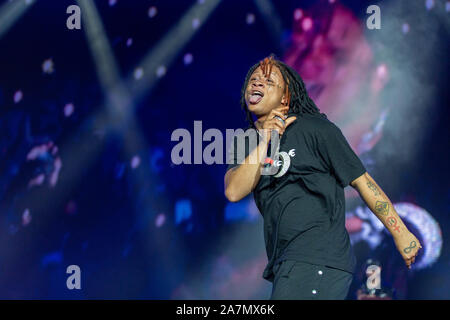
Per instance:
x=255, y=96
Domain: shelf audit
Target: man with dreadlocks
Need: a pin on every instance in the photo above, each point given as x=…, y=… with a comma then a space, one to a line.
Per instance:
x=302, y=203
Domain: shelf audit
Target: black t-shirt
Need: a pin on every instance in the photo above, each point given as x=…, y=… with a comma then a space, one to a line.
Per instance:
x=303, y=206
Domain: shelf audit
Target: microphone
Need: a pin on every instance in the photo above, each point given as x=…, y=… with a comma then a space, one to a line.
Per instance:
x=269, y=161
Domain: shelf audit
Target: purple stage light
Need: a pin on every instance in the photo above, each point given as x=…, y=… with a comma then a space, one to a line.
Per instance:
x=250, y=19
x=195, y=23
x=18, y=95
x=298, y=14
x=161, y=71
x=188, y=58
x=429, y=4
x=160, y=219
x=47, y=66
x=405, y=28
x=68, y=109
x=135, y=162
x=138, y=73
x=26, y=217
x=152, y=11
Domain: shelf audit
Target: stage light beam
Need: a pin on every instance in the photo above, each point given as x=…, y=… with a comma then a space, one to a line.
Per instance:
x=170, y=46
x=11, y=11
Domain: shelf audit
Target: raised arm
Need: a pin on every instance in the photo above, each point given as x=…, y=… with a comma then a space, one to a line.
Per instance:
x=377, y=201
x=241, y=180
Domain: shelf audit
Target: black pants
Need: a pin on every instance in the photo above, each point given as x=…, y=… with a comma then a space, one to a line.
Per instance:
x=295, y=280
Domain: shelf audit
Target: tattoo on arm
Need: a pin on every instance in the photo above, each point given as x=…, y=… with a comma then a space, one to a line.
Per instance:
x=382, y=208
x=391, y=221
x=373, y=187
x=412, y=245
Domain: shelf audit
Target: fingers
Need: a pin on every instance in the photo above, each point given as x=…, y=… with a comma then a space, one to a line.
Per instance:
x=289, y=121
x=273, y=123
x=411, y=260
x=277, y=125
x=278, y=113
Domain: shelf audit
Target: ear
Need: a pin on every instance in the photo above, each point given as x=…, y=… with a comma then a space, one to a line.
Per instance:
x=284, y=100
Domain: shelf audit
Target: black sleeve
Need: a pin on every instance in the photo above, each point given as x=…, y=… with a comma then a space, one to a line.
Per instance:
x=339, y=156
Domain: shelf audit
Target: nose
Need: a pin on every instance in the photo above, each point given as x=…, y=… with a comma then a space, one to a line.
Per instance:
x=258, y=84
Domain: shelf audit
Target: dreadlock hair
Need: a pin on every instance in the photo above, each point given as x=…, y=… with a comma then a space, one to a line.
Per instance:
x=297, y=98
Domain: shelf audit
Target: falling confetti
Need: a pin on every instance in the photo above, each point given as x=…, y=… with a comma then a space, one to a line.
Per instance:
x=447, y=6
x=188, y=58
x=112, y=2
x=37, y=181
x=195, y=23
x=129, y=42
x=429, y=4
x=152, y=11
x=138, y=73
x=250, y=18
x=160, y=219
x=57, y=164
x=405, y=28
x=37, y=152
x=26, y=217
x=68, y=109
x=298, y=14
x=161, y=71
x=47, y=66
x=135, y=161
x=18, y=96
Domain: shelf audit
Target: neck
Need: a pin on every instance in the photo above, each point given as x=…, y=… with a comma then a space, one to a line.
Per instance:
x=260, y=120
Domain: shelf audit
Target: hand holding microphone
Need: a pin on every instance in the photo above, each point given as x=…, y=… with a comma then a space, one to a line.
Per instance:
x=277, y=120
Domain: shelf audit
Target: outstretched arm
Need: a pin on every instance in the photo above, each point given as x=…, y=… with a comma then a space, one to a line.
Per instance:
x=377, y=201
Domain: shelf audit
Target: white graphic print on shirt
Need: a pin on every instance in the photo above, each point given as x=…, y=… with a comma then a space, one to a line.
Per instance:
x=284, y=162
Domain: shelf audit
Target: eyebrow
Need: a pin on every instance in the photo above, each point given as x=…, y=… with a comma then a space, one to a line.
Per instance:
x=258, y=72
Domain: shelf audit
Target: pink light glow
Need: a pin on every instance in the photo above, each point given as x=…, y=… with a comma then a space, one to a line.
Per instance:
x=307, y=23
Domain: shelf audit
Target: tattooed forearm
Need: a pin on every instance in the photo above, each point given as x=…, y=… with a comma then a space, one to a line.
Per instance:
x=373, y=187
x=382, y=207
